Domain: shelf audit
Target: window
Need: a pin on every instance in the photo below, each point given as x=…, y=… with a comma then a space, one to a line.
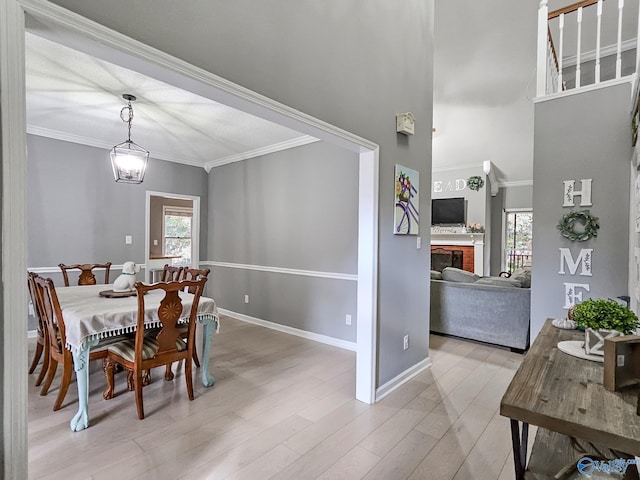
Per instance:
x=176, y=233
x=518, y=229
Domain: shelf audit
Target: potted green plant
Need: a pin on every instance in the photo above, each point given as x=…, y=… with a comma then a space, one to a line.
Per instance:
x=602, y=318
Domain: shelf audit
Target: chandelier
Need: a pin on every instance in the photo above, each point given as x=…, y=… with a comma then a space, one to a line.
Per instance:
x=128, y=160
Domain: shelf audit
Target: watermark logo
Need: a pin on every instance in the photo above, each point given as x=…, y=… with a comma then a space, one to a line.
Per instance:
x=587, y=465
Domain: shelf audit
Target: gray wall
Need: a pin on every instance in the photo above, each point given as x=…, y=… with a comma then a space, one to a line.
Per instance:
x=581, y=136
x=351, y=63
x=77, y=213
x=475, y=201
x=294, y=209
x=507, y=198
x=485, y=57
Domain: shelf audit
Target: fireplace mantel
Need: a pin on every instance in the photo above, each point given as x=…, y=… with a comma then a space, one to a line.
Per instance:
x=473, y=239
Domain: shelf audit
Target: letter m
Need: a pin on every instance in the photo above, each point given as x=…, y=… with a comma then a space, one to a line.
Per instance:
x=584, y=260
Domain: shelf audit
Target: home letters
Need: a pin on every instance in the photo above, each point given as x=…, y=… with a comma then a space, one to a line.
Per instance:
x=573, y=292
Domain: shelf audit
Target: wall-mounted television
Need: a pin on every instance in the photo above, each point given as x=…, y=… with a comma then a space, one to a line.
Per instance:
x=447, y=211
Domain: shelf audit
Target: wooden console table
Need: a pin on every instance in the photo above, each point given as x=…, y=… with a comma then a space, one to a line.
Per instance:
x=564, y=395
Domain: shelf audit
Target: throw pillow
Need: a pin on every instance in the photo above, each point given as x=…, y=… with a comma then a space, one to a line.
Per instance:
x=523, y=276
x=452, y=274
x=436, y=275
x=499, y=282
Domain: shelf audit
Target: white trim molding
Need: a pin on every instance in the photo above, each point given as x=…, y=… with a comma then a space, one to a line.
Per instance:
x=92, y=142
x=316, y=337
x=587, y=88
x=517, y=183
x=258, y=152
x=399, y=380
x=13, y=291
x=458, y=167
x=288, y=271
x=607, y=51
x=47, y=270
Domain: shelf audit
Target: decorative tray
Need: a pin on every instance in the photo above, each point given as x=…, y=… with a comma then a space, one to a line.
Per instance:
x=112, y=294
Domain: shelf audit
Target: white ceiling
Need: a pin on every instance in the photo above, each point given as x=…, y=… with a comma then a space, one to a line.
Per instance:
x=77, y=97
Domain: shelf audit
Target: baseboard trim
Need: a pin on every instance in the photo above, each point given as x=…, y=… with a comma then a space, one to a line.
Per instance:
x=336, y=342
x=399, y=380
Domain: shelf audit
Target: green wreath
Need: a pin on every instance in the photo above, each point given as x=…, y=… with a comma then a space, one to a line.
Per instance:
x=568, y=221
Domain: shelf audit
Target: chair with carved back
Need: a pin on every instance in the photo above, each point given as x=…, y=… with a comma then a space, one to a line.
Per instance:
x=42, y=343
x=167, y=346
x=47, y=299
x=171, y=274
x=190, y=274
x=86, y=272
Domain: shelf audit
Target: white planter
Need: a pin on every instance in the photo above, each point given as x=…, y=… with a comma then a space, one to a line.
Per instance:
x=594, y=340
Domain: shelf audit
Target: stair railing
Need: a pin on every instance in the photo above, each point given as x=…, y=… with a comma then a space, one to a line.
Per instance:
x=551, y=63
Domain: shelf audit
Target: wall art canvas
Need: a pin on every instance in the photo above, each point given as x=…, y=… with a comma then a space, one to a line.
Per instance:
x=407, y=201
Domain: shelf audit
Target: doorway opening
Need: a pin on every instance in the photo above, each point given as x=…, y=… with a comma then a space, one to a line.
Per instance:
x=172, y=226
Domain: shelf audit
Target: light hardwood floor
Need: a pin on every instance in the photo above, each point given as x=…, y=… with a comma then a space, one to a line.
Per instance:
x=283, y=408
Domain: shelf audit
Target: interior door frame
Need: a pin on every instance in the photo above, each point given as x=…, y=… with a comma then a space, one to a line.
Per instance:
x=13, y=291
x=195, y=226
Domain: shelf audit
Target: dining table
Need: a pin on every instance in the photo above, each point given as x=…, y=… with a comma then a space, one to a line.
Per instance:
x=91, y=317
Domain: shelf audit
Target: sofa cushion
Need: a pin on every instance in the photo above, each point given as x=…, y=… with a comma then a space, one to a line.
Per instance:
x=452, y=274
x=436, y=275
x=523, y=276
x=499, y=282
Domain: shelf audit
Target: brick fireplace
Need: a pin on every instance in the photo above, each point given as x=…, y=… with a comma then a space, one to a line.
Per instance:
x=470, y=244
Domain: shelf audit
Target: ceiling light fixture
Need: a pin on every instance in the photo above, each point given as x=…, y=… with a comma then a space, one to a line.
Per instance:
x=129, y=160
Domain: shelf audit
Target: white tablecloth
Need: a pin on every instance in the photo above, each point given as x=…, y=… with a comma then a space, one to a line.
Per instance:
x=88, y=316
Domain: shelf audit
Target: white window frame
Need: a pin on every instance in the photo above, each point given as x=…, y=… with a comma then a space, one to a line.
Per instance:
x=189, y=213
x=505, y=234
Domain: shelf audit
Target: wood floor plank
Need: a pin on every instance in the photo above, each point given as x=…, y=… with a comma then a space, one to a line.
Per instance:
x=283, y=407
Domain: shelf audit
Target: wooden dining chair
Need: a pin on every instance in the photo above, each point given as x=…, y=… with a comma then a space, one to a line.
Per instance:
x=86, y=272
x=47, y=299
x=190, y=274
x=42, y=344
x=171, y=274
x=167, y=346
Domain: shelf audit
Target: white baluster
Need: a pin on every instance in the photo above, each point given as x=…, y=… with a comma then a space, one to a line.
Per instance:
x=561, y=48
x=619, y=44
x=598, y=41
x=578, y=47
x=542, y=47
x=638, y=41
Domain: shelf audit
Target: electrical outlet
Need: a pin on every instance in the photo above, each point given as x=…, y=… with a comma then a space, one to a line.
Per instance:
x=620, y=360
x=128, y=239
x=246, y=299
x=406, y=342
x=418, y=243
x=155, y=243
x=31, y=311
x=348, y=319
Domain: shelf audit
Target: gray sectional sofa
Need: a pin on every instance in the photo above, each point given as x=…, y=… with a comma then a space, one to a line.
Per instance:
x=492, y=310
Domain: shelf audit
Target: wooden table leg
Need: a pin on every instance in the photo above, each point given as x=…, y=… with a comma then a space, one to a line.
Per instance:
x=519, y=443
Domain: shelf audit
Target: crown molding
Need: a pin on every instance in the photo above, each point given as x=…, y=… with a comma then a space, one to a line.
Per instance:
x=518, y=183
x=92, y=142
x=458, y=167
x=604, y=52
x=258, y=152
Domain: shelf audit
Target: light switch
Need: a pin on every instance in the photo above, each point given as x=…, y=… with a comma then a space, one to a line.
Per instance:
x=128, y=239
x=418, y=243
